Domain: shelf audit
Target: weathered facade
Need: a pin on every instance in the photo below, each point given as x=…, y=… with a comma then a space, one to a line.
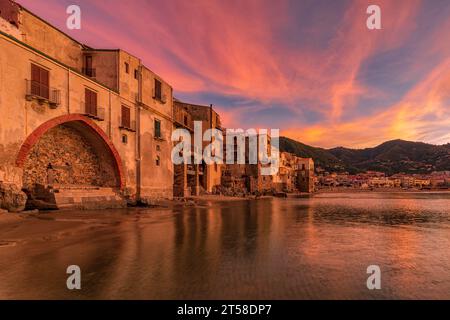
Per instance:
x=77, y=117
x=209, y=175
x=294, y=174
x=246, y=178
x=186, y=176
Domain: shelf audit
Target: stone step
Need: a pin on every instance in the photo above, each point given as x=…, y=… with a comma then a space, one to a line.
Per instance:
x=85, y=193
x=99, y=198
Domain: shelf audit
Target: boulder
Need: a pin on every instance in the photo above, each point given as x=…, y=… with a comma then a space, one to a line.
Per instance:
x=12, y=198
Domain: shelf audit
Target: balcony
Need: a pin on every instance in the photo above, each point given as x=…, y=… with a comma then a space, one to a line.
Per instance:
x=96, y=113
x=129, y=126
x=90, y=72
x=42, y=93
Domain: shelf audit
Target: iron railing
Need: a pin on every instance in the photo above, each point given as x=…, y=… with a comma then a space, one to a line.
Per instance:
x=95, y=112
x=44, y=93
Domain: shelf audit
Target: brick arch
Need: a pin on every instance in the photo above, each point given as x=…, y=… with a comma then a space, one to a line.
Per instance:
x=43, y=128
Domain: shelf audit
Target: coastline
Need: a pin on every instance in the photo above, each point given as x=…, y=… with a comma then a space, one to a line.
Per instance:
x=381, y=190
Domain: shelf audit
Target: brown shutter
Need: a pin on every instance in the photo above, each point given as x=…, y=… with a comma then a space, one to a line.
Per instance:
x=35, y=80
x=87, y=103
x=90, y=102
x=93, y=103
x=45, y=81
x=126, y=117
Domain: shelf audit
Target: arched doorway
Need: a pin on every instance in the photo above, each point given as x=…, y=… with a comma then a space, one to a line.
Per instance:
x=70, y=151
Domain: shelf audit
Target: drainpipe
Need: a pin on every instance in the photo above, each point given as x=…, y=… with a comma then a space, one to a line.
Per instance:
x=210, y=166
x=138, y=136
x=110, y=116
x=68, y=90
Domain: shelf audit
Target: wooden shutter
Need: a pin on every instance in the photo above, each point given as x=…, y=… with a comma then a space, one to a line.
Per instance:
x=45, y=82
x=40, y=81
x=35, y=80
x=157, y=129
x=87, y=103
x=93, y=103
x=126, y=117
x=158, y=93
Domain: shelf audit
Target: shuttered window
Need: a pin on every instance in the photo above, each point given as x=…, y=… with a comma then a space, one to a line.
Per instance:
x=91, y=102
x=157, y=129
x=40, y=81
x=126, y=118
x=158, y=89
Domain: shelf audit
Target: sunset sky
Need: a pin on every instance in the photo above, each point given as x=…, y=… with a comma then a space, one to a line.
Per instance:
x=308, y=67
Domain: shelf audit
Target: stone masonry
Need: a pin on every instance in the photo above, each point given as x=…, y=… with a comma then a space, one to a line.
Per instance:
x=63, y=157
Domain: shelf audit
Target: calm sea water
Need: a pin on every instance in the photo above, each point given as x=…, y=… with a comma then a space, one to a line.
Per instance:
x=296, y=248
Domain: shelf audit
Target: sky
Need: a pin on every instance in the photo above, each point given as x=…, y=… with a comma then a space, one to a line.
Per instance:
x=310, y=68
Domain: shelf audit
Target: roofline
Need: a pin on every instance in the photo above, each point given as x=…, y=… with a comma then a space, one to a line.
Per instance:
x=49, y=24
x=86, y=47
x=191, y=104
x=55, y=60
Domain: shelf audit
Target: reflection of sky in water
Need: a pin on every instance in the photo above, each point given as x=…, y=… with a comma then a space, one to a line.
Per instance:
x=305, y=248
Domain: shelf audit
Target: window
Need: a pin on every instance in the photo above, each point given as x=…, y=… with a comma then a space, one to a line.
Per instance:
x=157, y=129
x=158, y=161
x=126, y=118
x=124, y=139
x=158, y=147
x=90, y=102
x=136, y=74
x=158, y=90
x=40, y=82
x=88, y=70
x=127, y=67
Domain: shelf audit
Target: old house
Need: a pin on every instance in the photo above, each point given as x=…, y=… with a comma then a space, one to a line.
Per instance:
x=79, y=126
x=209, y=175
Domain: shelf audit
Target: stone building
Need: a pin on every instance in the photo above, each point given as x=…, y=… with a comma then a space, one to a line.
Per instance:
x=305, y=178
x=79, y=124
x=246, y=178
x=186, y=176
x=294, y=174
x=209, y=175
x=285, y=180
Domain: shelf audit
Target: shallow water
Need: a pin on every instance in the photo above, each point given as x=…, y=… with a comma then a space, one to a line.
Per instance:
x=295, y=248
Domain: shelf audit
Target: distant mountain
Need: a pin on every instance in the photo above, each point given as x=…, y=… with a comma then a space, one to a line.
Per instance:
x=390, y=157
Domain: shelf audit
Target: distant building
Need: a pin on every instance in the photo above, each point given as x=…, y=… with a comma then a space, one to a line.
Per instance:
x=295, y=174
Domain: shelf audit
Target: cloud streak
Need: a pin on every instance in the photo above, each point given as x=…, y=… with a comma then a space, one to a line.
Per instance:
x=310, y=68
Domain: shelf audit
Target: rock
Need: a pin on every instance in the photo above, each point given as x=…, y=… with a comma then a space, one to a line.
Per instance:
x=12, y=198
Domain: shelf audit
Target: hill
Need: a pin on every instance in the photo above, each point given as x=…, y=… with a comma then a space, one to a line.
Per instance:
x=390, y=157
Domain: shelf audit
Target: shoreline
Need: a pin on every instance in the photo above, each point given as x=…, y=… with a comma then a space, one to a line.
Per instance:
x=381, y=190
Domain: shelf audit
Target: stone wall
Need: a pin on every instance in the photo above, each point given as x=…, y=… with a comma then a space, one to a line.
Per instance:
x=64, y=157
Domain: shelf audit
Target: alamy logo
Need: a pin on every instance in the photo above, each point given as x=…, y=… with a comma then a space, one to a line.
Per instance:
x=374, y=20
x=74, y=19
x=374, y=280
x=74, y=280
x=242, y=147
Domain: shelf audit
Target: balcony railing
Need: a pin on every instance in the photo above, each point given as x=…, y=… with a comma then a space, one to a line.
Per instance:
x=94, y=112
x=43, y=93
x=90, y=72
x=130, y=126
